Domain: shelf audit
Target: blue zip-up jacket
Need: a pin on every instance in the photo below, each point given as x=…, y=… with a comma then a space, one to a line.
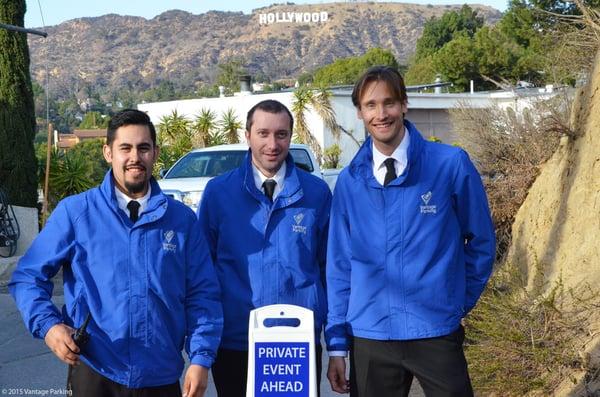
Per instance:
x=409, y=260
x=266, y=254
x=149, y=286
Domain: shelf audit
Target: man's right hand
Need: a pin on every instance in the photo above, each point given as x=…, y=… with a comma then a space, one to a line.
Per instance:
x=336, y=373
x=60, y=340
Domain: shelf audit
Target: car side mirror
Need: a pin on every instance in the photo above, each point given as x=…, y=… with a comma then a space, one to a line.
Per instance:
x=162, y=172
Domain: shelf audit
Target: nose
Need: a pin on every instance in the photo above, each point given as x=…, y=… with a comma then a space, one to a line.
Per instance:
x=134, y=155
x=381, y=111
x=271, y=141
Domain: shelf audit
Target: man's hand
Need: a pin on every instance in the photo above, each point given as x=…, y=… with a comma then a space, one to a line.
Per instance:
x=336, y=373
x=59, y=339
x=196, y=381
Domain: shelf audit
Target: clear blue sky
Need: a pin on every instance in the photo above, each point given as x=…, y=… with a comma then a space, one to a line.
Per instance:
x=57, y=11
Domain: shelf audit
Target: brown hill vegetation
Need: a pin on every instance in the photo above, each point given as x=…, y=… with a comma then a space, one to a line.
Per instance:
x=112, y=51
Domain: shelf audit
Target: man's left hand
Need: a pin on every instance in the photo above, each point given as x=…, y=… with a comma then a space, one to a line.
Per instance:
x=196, y=381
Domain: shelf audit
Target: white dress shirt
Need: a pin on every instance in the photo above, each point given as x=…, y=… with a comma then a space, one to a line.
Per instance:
x=400, y=155
x=279, y=177
x=123, y=200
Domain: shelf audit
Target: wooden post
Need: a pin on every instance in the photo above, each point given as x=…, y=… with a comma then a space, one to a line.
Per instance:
x=47, y=176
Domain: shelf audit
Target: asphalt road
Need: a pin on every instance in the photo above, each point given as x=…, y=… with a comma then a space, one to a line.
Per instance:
x=27, y=367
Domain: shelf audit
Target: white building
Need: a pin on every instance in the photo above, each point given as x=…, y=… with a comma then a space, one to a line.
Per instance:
x=428, y=111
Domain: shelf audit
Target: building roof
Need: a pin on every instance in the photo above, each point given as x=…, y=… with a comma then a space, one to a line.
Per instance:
x=96, y=133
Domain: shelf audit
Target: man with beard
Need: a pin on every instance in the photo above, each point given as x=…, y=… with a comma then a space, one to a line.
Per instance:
x=135, y=264
x=411, y=247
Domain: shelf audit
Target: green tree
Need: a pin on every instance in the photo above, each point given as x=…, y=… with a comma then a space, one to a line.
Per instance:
x=331, y=156
x=92, y=151
x=174, y=138
x=439, y=31
x=229, y=75
x=347, y=70
x=230, y=125
x=17, y=114
x=457, y=61
x=94, y=120
x=303, y=100
x=421, y=71
x=204, y=125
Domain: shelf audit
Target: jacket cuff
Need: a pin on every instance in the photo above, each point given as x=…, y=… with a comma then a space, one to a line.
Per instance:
x=51, y=322
x=200, y=359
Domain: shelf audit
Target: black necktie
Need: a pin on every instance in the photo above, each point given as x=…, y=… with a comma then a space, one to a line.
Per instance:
x=133, y=207
x=269, y=186
x=390, y=174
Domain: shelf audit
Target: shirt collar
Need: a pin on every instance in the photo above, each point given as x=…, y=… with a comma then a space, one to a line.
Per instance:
x=123, y=200
x=279, y=177
x=400, y=154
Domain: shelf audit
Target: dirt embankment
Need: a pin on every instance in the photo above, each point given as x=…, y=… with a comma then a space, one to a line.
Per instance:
x=556, y=233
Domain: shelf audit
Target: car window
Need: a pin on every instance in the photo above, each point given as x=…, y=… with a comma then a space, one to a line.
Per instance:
x=206, y=164
x=302, y=159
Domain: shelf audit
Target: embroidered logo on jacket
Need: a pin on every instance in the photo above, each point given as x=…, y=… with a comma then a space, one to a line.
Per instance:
x=427, y=209
x=167, y=246
x=298, y=228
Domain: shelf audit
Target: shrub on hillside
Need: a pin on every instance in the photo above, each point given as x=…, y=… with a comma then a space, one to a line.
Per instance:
x=521, y=342
x=509, y=149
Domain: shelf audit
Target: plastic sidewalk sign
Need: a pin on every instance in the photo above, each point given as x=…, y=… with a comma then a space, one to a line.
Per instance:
x=281, y=355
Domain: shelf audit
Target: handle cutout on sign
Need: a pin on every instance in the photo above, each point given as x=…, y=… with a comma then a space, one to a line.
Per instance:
x=281, y=322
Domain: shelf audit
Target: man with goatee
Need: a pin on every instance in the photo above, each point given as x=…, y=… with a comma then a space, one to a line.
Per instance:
x=134, y=265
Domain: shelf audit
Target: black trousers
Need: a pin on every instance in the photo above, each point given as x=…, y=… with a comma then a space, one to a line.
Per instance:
x=82, y=381
x=386, y=368
x=230, y=372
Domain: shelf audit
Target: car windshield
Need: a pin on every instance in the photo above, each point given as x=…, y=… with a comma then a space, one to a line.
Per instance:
x=212, y=163
x=206, y=164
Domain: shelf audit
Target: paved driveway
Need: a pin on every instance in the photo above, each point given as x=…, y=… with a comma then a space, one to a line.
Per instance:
x=27, y=367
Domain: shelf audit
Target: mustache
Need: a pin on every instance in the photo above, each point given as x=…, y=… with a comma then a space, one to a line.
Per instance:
x=136, y=165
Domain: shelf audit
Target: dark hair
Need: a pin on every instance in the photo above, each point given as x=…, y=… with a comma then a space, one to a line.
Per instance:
x=129, y=117
x=269, y=106
x=386, y=74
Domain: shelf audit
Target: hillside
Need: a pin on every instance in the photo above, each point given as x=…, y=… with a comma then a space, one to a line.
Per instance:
x=112, y=51
x=555, y=233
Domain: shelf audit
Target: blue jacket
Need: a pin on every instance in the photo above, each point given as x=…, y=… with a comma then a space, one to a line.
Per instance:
x=148, y=286
x=409, y=260
x=266, y=254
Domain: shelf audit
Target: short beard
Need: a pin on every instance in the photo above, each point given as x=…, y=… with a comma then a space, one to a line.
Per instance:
x=136, y=187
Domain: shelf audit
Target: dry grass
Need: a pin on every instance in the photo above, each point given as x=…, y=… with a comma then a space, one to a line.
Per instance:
x=521, y=343
x=509, y=151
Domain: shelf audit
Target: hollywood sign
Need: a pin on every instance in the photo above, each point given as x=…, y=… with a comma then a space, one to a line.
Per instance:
x=292, y=17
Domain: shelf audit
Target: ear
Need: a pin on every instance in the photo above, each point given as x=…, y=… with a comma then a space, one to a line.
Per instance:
x=156, y=152
x=359, y=113
x=107, y=152
x=404, y=107
x=247, y=137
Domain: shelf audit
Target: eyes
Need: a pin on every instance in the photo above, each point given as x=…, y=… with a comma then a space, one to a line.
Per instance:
x=281, y=134
x=143, y=148
x=372, y=105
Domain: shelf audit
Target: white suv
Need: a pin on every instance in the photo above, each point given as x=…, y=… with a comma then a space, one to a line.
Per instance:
x=186, y=179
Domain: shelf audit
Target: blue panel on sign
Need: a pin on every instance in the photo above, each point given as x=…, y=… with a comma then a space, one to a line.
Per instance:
x=281, y=369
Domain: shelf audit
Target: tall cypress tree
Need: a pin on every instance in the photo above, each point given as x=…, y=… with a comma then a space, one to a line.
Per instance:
x=18, y=164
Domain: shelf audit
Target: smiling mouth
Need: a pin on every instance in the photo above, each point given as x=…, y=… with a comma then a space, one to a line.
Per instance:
x=386, y=124
x=135, y=170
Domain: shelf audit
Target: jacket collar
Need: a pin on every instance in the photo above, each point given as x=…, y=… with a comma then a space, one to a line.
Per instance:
x=362, y=164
